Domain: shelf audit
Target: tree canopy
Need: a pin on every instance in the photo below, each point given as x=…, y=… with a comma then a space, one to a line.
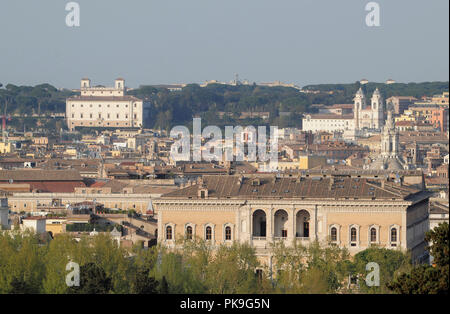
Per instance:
x=426, y=279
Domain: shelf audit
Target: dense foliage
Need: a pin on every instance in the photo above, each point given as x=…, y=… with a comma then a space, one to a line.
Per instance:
x=417, y=90
x=31, y=264
x=285, y=105
x=28, y=100
x=216, y=104
x=426, y=279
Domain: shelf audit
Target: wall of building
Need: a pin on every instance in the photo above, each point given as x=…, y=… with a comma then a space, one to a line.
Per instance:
x=28, y=202
x=383, y=215
x=329, y=125
x=199, y=220
x=381, y=220
x=417, y=221
x=104, y=113
x=104, y=107
x=4, y=213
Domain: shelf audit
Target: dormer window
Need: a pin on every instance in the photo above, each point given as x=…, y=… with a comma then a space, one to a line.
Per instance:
x=256, y=182
x=203, y=193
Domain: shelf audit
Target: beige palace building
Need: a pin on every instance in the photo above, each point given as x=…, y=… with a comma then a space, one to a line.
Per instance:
x=349, y=212
x=104, y=107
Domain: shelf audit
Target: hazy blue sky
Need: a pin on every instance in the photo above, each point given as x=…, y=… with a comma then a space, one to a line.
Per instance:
x=177, y=41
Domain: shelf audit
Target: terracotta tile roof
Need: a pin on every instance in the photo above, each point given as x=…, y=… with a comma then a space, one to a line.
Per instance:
x=97, y=184
x=149, y=189
x=116, y=186
x=56, y=187
x=269, y=186
x=40, y=175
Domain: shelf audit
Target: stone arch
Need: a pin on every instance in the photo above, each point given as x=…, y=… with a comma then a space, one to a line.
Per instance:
x=281, y=218
x=302, y=220
x=259, y=225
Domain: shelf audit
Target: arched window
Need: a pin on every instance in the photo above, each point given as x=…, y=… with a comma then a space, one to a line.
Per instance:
x=373, y=235
x=333, y=234
x=189, y=233
x=394, y=236
x=208, y=233
x=353, y=236
x=228, y=233
x=169, y=233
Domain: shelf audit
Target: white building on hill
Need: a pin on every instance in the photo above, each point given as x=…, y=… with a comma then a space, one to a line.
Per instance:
x=108, y=107
x=338, y=119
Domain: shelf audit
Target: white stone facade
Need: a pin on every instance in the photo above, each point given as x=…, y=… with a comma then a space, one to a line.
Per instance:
x=365, y=116
x=104, y=107
x=328, y=123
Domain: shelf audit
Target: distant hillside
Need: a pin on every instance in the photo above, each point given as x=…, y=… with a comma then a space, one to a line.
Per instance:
x=285, y=105
x=397, y=89
x=217, y=104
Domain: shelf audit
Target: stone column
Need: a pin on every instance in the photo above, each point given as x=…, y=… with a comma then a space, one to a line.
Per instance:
x=269, y=224
x=160, y=237
x=238, y=228
x=250, y=225
x=291, y=224
x=313, y=224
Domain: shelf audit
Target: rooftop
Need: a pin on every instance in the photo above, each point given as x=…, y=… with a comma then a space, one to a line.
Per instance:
x=269, y=186
x=40, y=175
